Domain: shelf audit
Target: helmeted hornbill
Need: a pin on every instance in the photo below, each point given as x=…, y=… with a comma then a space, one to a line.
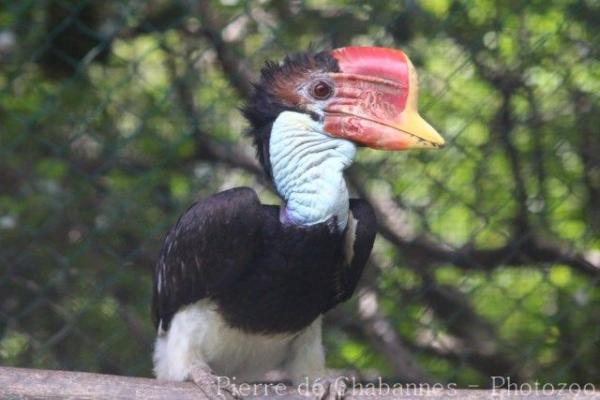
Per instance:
x=240, y=287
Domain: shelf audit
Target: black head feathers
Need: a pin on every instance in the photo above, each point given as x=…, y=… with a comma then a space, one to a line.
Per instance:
x=277, y=91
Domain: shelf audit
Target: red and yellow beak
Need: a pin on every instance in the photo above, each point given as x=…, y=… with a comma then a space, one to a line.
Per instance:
x=375, y=101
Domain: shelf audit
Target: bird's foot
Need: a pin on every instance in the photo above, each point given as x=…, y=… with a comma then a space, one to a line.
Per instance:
x=334, y=388
x=211, y=386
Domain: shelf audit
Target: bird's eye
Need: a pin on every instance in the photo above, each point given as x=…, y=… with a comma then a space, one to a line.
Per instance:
x=322, y=90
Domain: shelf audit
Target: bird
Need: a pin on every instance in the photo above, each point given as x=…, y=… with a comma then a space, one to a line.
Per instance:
x=241, y=287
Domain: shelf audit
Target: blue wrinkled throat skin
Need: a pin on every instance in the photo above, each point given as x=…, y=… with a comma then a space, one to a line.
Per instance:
x=307, y=167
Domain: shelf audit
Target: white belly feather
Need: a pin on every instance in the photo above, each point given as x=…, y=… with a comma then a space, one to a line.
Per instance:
x=199, y=337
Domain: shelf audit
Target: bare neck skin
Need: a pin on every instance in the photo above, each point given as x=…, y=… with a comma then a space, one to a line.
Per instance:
x=308, y=170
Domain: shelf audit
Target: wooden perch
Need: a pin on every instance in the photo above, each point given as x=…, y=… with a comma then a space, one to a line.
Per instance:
x=19, y=383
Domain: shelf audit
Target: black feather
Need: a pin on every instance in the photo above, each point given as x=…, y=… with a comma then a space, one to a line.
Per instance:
x=264, y=276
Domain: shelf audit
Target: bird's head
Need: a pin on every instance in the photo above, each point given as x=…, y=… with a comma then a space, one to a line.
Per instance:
x=367, y=95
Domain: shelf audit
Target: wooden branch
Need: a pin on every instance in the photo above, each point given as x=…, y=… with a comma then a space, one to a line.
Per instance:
x=232, y=64
x=480, y=345
x=20, y=383
x=206, y=148
x=422, y=252
x=384, y=337
x=450, y=305
x=589, y=151
x=502, y=128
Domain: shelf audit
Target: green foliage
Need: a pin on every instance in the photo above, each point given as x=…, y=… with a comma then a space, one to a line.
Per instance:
x=100, y=153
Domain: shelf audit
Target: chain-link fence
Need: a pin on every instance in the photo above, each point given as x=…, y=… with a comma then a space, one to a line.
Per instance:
x=116, y=115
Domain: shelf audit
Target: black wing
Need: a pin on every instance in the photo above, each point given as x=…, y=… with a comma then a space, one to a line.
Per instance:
x=205, y=251
x=366, y=229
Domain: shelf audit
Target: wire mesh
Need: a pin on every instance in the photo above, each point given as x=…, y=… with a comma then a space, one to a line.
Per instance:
x=116, y=115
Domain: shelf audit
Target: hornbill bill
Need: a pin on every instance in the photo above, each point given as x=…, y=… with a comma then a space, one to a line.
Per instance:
x=240, y=287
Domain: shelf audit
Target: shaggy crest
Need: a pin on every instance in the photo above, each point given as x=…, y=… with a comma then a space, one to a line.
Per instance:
x=276, y=91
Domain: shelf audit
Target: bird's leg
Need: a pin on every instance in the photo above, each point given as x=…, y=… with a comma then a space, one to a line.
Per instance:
x=306, y=366
x=334, y=388
x=211, y=386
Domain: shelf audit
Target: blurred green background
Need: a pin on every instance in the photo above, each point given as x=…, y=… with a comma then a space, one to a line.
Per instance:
x=116, y=115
